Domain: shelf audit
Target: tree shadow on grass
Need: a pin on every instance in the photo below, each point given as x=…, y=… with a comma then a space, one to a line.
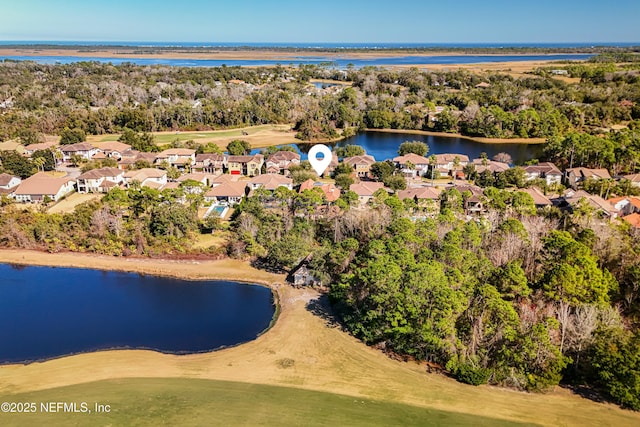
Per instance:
x=590, y=393
x=321, y=307
x=261, y=264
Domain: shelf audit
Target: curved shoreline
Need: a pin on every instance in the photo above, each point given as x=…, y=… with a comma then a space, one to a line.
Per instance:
x=185, y=269
x=326, y=359
x=33, y=258
x=481, y=140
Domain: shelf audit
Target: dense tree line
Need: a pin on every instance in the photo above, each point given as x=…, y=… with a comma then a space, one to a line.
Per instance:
x=519, y=298
x=91, y=98
x=137, y=221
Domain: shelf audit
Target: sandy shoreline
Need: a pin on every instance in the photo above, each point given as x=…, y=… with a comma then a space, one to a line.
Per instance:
x=189, y=269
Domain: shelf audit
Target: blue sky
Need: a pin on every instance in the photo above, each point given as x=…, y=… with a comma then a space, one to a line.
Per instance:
x=356, y=21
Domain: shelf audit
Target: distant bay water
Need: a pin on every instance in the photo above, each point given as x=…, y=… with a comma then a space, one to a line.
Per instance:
x=315, y=45
x=342, y=61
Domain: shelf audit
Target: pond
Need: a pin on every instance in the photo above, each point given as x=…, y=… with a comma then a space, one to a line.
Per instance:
x=384, y=145
x=50, y=312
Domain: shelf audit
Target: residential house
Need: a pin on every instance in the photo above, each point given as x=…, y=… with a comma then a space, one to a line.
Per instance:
x=420, y=164
x=32, y=148
x=447, y=161
x=365, y=190
x=82, y=149
x=361, y=164
x=147, y=177
x=302, y=275
x=114, y=149
x=130, y=157
x=99, y=180
x=270, y=182
x=223, y=179
x=231, y=192
x=546, y=170
x=331, y=192
x=575, y=176
x=201, y=177
x=473, y=189
x=634, y=178
x=633, y=219
x=420, y=195
x=211, y=163
x=485, y=164
x=572, y=199
x=539, y=199
x=8, y=182
x=626, y=205
x=282, y=160
x=41, y=185
x=473, y=205
x=245, y=165
x=179, y=158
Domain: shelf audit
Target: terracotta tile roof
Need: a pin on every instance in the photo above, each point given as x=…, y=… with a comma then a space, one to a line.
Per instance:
x=635, y=201
x=366, y=188
x=473, y=189
x=595, y=201
x=590, y=173
x=228, y=189
x=197, y=176
x=246, y=159
x=283, y=156
x=5, y=179
x=271, y=182
x=633, y=219
x=449, y=158
x=491, y=165
x=539, y=199
x=176, y=152
x=547, y=168
x=331, y=192
x=220, y=179
x=360, y=160
x=307, y=185
x=214, y=157
x=101, y=173
x=114, y=146
x=41, y=184
x=413, y=158
x=41, y=146
x=420, y=193
x=633, y=178
x=74, y=148
x=145, y=173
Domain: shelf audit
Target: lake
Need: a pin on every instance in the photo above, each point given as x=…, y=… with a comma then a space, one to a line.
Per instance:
x=48, y=312
x=384, y=145
x=342, y=61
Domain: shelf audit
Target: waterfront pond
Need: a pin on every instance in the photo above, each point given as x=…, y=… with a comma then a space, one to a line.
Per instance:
x=384, y=145
x=48, y=312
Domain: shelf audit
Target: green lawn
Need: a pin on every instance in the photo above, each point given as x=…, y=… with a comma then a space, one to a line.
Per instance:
x=184, y=402
x=165, y=138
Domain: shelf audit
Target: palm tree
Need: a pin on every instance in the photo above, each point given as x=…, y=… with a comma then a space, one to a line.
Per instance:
x=39, y=162
x=57, y=155
x=432, y=162
x=456, y=165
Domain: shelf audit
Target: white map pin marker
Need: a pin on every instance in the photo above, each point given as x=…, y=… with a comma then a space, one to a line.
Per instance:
x=320, y=165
